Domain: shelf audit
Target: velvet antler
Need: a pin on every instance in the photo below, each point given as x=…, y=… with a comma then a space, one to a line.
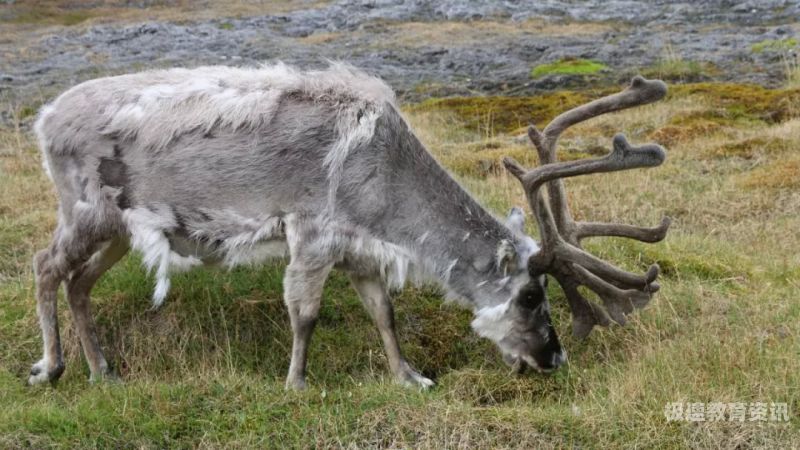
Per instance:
x=561, y=254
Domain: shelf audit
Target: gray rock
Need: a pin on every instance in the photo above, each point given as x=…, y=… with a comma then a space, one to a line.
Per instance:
x=716, y=32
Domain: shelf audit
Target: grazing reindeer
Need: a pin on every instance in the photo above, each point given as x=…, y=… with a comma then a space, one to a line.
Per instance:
x=229, y=166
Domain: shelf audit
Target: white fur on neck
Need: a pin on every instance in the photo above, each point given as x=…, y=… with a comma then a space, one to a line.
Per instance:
x=489, y=321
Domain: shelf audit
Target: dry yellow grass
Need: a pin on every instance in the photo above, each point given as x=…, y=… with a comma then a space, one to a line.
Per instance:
x=452, y=33
x=320, y=38
x=777, y=174
x=206, y=371
x=29, y=15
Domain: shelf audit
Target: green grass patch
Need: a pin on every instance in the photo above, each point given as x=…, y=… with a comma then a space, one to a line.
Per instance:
x=568, y=67
x=775, y=45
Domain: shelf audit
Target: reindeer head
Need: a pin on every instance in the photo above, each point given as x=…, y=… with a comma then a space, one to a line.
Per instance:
x=521, y=326
x=528, y=337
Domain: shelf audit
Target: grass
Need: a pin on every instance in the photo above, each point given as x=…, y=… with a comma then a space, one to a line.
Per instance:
x=575, y=66
x=207, y=369
x=461, y=34
x=672, y=67
x=787, y=50
x=43, y=13
x=791, y=69
x=774, y=45
x=676, y=70
x=490, y=115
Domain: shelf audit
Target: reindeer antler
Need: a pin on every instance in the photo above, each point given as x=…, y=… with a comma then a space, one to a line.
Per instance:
x=561, y=254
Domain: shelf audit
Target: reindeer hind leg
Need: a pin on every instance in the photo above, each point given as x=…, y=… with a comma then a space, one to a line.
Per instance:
x=50, y=269
x=83, y=228
x=79, y=286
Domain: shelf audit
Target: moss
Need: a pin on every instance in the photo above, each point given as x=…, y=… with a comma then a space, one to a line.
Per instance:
x=783, y=174
x=745, y=101
x=774, y=45
x=568, y=67
x=729, y=104
x=695, y=124
x=749, y=148
x=225, y=26
x=505, y=114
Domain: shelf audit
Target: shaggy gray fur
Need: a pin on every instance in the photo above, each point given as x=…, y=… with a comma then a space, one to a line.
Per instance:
x=222, y=165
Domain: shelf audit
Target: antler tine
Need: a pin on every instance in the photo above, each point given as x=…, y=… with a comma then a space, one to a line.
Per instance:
x=618, y=302
x=639, y=92
x=548, y=231
x=643, y=234
x=568, y=252
x=622, y=157
x=585, y=314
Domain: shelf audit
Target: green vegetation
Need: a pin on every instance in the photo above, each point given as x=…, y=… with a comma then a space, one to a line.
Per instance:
x=775, y=45
x=791, y=69
x=673, y=67
x=787, y=49
x=745, y=101
x=225, y=26
x=568, y=67
x=678, y=70
x=495, y=114
x=726, y=105
x=206, y=370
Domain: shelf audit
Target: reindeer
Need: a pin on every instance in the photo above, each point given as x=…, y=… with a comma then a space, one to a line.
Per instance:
x=229, y=166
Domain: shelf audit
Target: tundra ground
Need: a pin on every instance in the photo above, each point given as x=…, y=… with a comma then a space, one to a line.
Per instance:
x=207, y=369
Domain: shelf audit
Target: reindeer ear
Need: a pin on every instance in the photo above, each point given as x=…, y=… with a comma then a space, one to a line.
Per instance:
x=506, y=257
x=516, y=220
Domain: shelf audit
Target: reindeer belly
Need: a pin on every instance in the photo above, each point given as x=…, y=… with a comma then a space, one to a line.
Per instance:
x=172, y=240
x=256, y=252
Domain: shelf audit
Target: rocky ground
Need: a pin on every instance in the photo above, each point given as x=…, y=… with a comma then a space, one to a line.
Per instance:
x=422, y=47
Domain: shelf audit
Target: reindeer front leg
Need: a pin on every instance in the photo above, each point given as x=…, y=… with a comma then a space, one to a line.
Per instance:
x=302, y=291
x=372, y=291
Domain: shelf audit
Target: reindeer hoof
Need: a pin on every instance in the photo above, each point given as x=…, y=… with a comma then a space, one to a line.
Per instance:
x=107, y=376
x=297, y=384
x=43, y=372
x=411, y=378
